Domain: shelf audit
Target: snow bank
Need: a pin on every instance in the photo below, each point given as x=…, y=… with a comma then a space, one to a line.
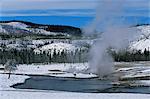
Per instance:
x=74, y=75
x=78, y=70
x=143, y=82
x=68, y=95
x=5, y=83
x=57, y=70
x=135, y=72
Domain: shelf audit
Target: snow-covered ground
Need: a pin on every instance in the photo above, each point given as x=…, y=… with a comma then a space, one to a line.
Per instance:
x=5, y=83
x=134, y=70
x=59, y=70
x=68, y=70
x=128, y=70
x=68, y=95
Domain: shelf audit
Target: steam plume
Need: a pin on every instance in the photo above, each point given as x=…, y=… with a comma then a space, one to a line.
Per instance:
x=109, y=19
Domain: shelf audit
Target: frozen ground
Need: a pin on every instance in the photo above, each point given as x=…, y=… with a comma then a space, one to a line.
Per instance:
x=134, y=70
x=140, y=69
x=59, y=70
x=68, y=95
x=5, y=83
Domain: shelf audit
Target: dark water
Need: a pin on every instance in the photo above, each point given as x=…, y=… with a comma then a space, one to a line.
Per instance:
x=77, y=85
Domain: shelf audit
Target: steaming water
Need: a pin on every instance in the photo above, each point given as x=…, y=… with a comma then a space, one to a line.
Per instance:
x=109, y=19
x=93, y=85
x=64, y=84
x=77, y=85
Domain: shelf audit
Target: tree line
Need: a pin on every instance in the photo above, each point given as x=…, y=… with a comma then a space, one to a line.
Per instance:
x=129, y=56
x=28, y=56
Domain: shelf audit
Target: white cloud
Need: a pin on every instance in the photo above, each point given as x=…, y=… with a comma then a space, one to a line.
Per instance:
x=22, y=5
x=54, y=13
x=47, y=4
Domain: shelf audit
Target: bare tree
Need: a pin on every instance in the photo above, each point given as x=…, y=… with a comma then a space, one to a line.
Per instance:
x=10, y=66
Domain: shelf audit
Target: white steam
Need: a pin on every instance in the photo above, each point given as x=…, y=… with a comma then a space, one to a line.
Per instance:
x=101, y=62
x=115, y=34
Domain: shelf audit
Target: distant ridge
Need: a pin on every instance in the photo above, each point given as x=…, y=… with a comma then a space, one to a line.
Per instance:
x=52, y=28
x=142, y=24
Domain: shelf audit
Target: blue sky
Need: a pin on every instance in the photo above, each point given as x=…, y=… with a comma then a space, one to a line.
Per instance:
x=67, y=12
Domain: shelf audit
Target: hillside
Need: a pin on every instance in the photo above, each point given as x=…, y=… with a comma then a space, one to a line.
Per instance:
x=11, y=29
x=143, y=41
x=28, y=28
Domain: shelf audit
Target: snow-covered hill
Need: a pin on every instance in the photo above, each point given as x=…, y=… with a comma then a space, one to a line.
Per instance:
x=6, y=29
x=58, y=48
x=17, y=25
x=21, y=28
x=14, y=26
x=143, y=41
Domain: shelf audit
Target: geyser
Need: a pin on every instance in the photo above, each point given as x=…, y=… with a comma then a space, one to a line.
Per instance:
x=109, y=18
x=118, y=37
